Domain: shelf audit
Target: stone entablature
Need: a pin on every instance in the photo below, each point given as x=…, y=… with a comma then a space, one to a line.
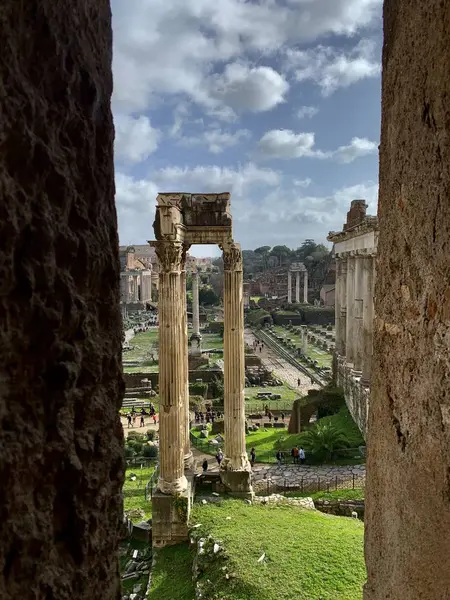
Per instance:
x=355, y=250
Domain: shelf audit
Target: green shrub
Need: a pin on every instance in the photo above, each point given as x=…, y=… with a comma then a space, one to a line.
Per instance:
x=323, y=439
x=150, y=435
x=129, y=452
x=218, y=389
x=150, y=451
x=198, y=389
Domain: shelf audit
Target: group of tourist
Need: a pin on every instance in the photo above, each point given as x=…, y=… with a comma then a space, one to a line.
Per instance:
x=132, y=416
x=298, y=456
x=209, y=416
x=257, y=345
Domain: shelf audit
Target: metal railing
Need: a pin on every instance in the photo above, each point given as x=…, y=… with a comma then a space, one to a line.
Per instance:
x=310, y=485
x=149, y=488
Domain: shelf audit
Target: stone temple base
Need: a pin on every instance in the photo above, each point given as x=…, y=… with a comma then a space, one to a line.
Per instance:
x=170, y=517
x=237, y=483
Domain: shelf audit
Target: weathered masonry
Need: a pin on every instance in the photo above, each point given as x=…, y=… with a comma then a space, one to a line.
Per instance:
x=182, y=220
x=297, y=268
x=355, y=250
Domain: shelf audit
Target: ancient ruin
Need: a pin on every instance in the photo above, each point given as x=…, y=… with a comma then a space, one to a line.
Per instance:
x=181, y=221
x=297, y=268
x=135, y=282
x=355, y=249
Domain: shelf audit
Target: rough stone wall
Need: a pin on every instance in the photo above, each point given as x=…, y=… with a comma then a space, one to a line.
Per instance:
x=61, y=464
x=408, y=485
x=357, y=397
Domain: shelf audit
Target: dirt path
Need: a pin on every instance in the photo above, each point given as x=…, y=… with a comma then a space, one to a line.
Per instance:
x=281, y=368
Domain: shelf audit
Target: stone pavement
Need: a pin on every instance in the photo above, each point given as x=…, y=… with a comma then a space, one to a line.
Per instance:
x=281, y=368
x=289, y=475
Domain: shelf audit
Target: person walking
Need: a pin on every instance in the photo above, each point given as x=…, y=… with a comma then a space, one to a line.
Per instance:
x=219, y=456
x=282, y=417
x=142, y=421
x=302, y=455
x=205, y=465
x=129, y=420
x=252, y=457
x=295, y=454
x=279, y=457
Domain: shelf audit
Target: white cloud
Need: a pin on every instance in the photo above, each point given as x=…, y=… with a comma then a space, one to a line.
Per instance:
x=213, y=178
x=357, y=148
x=303, y=183
x=174, y=46
x=135, y=139
x=286, y=144
x=241, y=88
x=216, y=140
x=306, y=112
x=331, y=69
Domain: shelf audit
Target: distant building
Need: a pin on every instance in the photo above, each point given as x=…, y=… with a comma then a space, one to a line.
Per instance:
x=327, y=294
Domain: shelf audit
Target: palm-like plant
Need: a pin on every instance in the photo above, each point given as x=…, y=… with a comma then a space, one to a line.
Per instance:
x=324, y=439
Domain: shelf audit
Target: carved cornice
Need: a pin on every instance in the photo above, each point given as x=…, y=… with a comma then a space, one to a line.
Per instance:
x=171, y=255
x=368, y=225
x=232, y=257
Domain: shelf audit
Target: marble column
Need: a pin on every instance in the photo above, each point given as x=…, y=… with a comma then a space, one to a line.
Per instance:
x=350, y=314
x=196, y=338
x=305, y=287
x=235, y=468
x=358, y=350
x=368, y=316
x=142, y=286
x=289, y=294
x=297, y=287
x=188, y=456
x=172, y=369
x=341, y=306
x=135, y=289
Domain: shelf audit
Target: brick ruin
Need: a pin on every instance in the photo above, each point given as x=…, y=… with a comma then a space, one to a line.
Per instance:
x=61, y=461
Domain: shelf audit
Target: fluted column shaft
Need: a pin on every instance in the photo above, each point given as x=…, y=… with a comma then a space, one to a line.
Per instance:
x=142, y=286
x=368, y=316
x=289, y=296
x=350, y=315
x=195, y=303
x=305, y=287
x=184, y=350
x=358, y=317
x=343, y=308
x=172, y=370
x=297, y=287
x=136, y=289
x=234, y=362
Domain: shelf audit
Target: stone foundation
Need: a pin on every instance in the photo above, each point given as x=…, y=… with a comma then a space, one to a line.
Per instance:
x=237, y=483
x=171, y=516
x=356, y=395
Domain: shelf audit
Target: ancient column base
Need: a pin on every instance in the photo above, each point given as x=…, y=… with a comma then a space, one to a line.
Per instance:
x=170, y=517
x=238, y=482
x=365, y=382
x=189, y=463
x=195, y=349
x=357, y=374
x=179, y=486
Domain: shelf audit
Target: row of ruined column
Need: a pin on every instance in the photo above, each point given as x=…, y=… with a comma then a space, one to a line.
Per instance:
x=355, y=279
x=175, y=452
x=131, y=284
x=297, y=286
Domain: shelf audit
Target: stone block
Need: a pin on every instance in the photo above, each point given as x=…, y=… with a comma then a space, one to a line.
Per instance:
x=170, y=517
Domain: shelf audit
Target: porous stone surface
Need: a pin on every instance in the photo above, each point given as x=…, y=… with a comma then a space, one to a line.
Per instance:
x=61, y=464
x=408, y=483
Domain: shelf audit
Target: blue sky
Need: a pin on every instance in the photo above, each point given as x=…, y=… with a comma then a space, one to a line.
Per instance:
x=276, y=101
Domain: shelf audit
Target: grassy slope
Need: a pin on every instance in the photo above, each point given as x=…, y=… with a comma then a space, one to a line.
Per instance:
x=270, y=440
x=310, y=556
x=172, y=574
x=134, y=491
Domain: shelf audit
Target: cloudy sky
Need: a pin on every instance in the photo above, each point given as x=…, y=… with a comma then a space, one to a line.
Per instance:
x=276, y=101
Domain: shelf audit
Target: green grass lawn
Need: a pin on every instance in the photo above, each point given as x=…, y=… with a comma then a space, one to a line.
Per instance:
x=172, y=574
x=134, y=491
x=323, y=358
x=308, y=555
x=142, y=346
x=267, y=441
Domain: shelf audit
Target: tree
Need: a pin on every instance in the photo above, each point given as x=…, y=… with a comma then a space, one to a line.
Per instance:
x=282, y=253
x=207, y=296
x=263, y=252
x=323, y=439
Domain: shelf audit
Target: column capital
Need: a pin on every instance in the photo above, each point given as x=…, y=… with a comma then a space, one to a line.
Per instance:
x=232, y=256
x=171, y=255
